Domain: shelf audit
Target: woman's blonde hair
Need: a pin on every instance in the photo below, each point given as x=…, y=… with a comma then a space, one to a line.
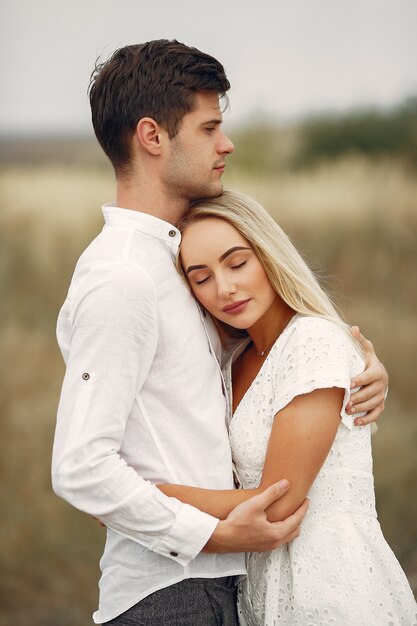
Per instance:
x=287, y=271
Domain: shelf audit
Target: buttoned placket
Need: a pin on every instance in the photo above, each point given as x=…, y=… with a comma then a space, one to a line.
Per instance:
x=213, y=353
x=173, y=242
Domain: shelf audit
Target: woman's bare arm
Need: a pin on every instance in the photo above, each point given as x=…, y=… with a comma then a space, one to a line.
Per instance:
x=216, y=502
x=300, y=440
x=301, y=437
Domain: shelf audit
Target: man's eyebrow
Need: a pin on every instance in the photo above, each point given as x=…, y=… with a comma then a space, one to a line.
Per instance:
x=221, y=258
x=215, y=121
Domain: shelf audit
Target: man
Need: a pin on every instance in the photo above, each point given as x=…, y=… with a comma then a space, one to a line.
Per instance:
x=142, y=399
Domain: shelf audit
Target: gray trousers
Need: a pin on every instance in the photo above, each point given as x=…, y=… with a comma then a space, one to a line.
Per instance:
x=191, y=602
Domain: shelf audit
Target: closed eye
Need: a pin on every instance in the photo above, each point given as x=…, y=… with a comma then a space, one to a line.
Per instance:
x=203, y=280
x=236, y=267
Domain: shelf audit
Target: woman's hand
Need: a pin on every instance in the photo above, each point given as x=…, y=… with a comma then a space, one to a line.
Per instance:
x=373, y=382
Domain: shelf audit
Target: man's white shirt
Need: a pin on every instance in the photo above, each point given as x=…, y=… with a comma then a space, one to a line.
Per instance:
x=141, y=404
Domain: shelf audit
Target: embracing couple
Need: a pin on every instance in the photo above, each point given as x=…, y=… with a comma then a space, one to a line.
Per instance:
x=231, y=369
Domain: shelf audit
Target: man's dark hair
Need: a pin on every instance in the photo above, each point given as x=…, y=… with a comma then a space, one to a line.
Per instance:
x=157, y=79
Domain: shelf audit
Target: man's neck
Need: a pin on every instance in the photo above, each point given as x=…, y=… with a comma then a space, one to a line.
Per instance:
x=148, y=199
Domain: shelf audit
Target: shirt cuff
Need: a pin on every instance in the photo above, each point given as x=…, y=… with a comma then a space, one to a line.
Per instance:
x=193, y=524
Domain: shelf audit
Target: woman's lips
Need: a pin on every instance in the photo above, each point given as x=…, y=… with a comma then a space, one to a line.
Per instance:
x=235, y=307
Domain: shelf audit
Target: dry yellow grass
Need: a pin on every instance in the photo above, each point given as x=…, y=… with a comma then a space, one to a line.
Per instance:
x=348, y=189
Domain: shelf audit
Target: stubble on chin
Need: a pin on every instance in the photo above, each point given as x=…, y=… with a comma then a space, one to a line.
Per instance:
x=208, y=192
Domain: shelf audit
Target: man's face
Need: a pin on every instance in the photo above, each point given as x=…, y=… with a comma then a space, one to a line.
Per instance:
x=195, y=160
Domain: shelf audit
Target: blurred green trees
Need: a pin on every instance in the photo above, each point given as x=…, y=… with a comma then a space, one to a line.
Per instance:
x=264, y=148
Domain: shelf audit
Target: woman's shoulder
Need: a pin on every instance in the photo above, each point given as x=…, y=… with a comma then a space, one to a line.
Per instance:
x=310, y=337
x=314, y=353
x=313, y=328
x=316, y=323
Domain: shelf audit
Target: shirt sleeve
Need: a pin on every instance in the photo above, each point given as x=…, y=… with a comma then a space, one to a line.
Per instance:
x=113, y=339
x=318, y=354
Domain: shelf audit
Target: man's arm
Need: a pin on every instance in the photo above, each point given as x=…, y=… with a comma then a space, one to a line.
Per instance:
x=373, y=383
x=113, y=337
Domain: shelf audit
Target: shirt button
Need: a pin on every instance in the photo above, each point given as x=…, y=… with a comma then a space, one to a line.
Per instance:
x=174, y=553
x=86, y=376
x=172, y=233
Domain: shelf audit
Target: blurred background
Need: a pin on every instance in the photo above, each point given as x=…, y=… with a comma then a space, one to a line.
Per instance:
x=323, y=114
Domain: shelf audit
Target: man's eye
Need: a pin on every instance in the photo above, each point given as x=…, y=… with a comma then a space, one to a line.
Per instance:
x=211, y=129
x=236, y=267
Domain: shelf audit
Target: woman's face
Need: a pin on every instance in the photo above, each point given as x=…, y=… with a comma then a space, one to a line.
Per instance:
x=224, y=273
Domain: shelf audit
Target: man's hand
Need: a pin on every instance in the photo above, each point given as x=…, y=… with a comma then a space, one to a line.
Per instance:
x=373, y=382
x=246, y=529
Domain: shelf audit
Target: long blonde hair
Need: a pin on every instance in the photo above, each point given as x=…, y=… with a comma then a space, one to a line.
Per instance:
x=286, y=270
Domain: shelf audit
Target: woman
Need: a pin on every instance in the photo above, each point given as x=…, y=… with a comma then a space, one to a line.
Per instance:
x=289, y=384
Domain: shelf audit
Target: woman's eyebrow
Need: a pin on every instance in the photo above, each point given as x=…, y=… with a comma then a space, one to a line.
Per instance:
x=222, y=257
x=231, y=250
x=195, y=267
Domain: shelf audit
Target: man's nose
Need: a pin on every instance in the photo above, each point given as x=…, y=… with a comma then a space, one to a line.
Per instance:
x=226, y=146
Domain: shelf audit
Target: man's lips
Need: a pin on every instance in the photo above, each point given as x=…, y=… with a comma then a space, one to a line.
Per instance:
x=221, y=167
x=235, y=307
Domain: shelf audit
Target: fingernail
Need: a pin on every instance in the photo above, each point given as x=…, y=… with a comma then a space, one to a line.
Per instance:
x=283, y=483
x=360, y=423
x=352, y=384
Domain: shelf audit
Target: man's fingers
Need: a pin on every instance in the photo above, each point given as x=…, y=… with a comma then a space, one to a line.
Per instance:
x=377, y=402
x=292, y=522
x=371, y=398
x=298, y=515
x=370, y=417
x=271, y=494
x=289, y=528
x=365, y=343
x=366, y=393
x=355, y=330
x=292, y=536
x=373, y=374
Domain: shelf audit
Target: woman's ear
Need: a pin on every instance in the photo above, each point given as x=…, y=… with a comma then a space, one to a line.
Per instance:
x=149, y=135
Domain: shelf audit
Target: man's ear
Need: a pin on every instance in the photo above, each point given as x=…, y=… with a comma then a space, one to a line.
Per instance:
x=149, y=135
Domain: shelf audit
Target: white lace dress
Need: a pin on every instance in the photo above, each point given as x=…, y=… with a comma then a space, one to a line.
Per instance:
x=340, y=571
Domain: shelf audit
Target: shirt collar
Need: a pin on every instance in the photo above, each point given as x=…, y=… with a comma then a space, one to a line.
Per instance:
x=149, y=224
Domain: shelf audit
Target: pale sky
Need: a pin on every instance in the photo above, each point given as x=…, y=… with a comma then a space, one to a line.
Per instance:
x=283, y=57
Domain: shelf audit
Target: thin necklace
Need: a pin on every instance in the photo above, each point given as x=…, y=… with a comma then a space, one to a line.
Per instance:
x=265, y=350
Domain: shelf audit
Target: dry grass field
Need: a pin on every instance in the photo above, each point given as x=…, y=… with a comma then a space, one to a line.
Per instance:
x=354, y=219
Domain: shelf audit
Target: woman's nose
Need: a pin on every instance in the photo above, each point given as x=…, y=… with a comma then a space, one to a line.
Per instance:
x=225, y=288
